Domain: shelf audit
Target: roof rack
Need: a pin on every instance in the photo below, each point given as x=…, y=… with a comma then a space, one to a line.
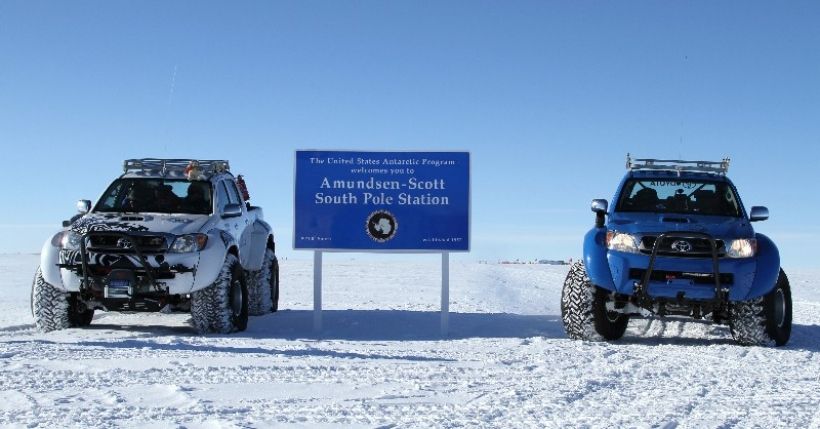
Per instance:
x=162, y=167
x=719, y=167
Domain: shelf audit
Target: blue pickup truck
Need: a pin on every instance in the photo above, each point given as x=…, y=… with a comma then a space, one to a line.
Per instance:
x=677, y=242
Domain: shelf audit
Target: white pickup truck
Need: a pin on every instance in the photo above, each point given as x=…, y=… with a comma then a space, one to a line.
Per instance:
x=167, y=235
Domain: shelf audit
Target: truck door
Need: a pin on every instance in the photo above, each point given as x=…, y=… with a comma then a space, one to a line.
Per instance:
x=231, y=225
x=242, y=223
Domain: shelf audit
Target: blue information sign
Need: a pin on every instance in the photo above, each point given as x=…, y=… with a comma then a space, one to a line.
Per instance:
x=390, y=201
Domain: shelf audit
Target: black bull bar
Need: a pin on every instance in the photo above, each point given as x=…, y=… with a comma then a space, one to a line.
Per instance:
x=132, y=239
x=642, y=289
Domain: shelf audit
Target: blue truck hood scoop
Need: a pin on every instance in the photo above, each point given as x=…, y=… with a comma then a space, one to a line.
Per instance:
x=670, y=219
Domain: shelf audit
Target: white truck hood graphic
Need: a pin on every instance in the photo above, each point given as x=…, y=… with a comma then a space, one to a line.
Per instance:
x=149, y=222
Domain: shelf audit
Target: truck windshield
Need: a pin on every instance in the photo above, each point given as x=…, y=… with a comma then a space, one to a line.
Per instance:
x=679, y=196
x=157, y=196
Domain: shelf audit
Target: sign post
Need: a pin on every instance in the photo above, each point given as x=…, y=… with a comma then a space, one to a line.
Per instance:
x=317, y=292
x=391, y=202
x=445, y=294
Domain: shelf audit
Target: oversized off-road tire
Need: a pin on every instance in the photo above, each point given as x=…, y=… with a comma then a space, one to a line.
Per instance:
x=54, y=309
x=264, y=286
x=583, y=309
x=764, y=321
x=223, y=306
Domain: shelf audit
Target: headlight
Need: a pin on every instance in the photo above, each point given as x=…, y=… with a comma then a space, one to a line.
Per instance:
x=189, y=243
x=69, y=240
x=741, y=248
x=621, y=242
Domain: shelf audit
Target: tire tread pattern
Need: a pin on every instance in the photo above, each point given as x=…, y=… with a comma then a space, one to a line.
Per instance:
x=211, y=307
x=49, y=305
x=577, y=305
x=751, y=321
x=261, y=293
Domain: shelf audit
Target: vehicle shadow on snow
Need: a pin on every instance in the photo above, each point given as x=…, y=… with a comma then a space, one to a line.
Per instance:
x=356, y=325
x=402, y=325
x=803, y=338
x=398, y=325
x=370, y=325
x=405, y=325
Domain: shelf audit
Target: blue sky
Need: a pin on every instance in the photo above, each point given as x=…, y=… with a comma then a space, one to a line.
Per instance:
x=547, y=96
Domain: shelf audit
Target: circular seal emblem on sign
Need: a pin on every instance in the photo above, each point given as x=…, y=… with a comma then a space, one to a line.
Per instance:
x=381, y=226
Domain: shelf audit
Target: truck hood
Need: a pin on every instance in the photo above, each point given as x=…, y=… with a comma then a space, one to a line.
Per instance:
x=129, y=222
x=656, y=223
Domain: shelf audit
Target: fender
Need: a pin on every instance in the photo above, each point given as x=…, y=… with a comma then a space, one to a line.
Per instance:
x=595, y=259
x=49, y=258
x=260, y=231
x=768, y=267
x=212, y=257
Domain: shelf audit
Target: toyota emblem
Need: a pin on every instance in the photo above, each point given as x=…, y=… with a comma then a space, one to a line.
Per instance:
x=124, y=243
x=682, y=246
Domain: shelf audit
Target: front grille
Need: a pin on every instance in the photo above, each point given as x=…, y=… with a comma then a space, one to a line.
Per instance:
x=698, y=247
x=118, y=243
x=697, y=278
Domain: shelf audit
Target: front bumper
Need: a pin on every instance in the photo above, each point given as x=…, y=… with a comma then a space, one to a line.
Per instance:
x=130, y=270
x=171, y=274
x=674, y=277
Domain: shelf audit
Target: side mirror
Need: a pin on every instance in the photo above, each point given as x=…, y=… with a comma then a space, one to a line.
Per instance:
x=83, y=206
x=600, y=207
x=232, y=210
x=758, y=213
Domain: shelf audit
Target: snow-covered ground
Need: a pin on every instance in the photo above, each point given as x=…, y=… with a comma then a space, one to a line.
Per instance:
x=380, y=361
